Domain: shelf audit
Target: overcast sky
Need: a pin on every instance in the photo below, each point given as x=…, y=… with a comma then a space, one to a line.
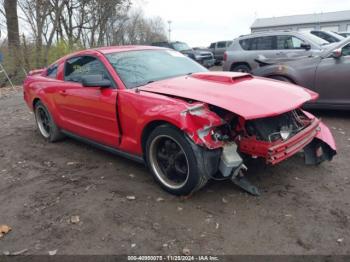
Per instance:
x=200, y=22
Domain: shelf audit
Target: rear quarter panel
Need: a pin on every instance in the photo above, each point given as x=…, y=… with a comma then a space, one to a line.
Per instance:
x=43, y=88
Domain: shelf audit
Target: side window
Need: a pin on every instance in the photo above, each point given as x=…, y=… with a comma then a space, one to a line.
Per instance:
x=246, y=44
x=221, y=44
x=229, y=43
x=78, y=67
x=212, y=46
x=265, y=43
x=346, y=50
x=288, y=42
x=52, y=71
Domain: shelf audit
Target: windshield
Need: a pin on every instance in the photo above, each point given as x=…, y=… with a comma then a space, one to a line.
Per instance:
x=137, y=68
x=316, y=40
x=178, y=46
x=326, y=52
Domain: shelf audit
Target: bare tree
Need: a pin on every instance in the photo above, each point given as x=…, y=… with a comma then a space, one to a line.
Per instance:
x=10, y=7
x=138, y=29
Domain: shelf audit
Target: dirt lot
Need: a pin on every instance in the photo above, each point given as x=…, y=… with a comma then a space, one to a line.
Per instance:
x=303, y=210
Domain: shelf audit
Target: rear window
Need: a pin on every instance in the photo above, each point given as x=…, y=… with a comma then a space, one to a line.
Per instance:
x=221, y=44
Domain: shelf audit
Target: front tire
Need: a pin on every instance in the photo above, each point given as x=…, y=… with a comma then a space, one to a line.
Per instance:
x=172, y=161
x=45, y=123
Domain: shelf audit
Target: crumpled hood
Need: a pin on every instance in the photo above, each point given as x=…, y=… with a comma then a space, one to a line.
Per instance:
x=245, y=95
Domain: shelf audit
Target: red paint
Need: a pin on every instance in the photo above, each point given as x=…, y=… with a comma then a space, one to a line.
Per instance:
x=119, y=117
x=249, y=97
x=278, y=151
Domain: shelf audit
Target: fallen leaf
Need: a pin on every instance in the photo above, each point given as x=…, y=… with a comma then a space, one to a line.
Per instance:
x=186, y=251
x=340, y=240
x=71, y=163
x=224, y=200
x=74, y=219
x=133, y=245
x=53, y=252
x=159, y=199
x=4, y=229
x=130, y=197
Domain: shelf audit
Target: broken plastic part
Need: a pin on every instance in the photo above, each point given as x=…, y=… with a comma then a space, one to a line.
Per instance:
x=246, y=185
x=231, y=161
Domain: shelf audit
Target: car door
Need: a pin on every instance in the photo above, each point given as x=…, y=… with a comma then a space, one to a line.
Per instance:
x=333, y=78
x=288, y=45
x=263, y=46
x=89, y=112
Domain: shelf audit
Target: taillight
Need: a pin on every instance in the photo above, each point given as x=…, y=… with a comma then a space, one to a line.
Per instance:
x=225, y=56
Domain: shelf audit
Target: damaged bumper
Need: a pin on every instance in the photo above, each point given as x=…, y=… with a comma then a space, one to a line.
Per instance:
x=275, y=153
x=316, y=140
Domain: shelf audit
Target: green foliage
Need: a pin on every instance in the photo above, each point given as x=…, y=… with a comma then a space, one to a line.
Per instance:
x=61, y=49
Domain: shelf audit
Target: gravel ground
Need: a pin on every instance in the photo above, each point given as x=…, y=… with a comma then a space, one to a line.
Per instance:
x=76, y=199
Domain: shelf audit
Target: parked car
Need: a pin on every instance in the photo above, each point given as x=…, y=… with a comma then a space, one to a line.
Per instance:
x=344, y=34
x=326, y=73
x=218, y=49
x=159, y=107
x=203, y=57
x=329, y=36
x=241, y=55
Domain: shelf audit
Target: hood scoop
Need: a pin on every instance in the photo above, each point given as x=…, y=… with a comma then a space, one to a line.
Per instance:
x=222, y=77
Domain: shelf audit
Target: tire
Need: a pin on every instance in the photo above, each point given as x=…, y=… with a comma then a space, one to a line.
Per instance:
x=45, y=123
x=241, y=68
x=172, y=161
x=281, y=78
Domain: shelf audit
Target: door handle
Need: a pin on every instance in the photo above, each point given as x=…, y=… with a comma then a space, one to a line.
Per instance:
x=62, y=93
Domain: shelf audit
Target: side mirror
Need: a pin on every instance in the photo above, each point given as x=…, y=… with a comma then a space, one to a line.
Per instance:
x=337, y=53
x=305, y=46
x=95, y=81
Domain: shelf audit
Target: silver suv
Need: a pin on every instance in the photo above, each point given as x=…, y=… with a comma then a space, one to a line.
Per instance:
x=241, y=55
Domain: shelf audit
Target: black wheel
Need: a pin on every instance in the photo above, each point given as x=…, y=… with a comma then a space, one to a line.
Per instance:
x=281, y=78
x=172, y=161
x=241, y=68
x=46, y=125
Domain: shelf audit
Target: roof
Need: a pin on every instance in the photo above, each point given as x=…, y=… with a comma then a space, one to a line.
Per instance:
x=114, y=49
x=302, y=19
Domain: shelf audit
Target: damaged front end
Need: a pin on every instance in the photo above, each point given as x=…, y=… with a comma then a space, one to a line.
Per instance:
x=228, y=139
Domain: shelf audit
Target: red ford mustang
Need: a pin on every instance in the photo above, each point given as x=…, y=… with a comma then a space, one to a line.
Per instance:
x=188, y=125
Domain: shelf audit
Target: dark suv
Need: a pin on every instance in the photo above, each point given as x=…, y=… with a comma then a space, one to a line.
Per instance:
x=205, y=58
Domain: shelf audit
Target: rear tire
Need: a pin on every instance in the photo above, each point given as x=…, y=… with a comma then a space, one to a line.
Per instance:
x=241, y=68
x=173, y=163
x=45, y=123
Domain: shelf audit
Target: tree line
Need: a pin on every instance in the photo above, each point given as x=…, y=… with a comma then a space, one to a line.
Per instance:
x=40, y=31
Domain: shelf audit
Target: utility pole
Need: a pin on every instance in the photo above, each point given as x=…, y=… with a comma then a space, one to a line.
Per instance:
x=169, y=22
